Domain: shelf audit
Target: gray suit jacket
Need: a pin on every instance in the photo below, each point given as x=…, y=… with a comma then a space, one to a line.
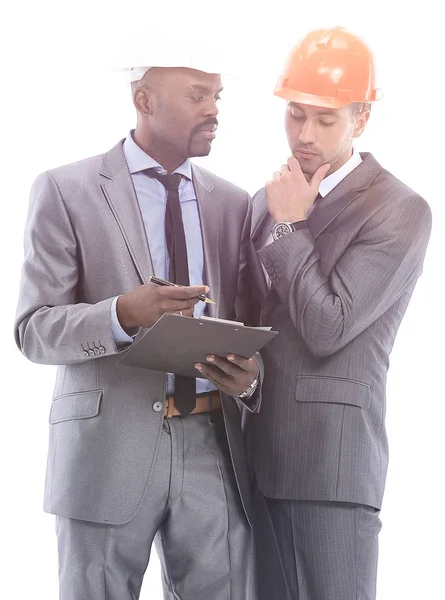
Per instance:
x=84, y=244
x=340, y=287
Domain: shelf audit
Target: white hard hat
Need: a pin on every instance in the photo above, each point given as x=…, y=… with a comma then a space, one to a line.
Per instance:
x=163, y=52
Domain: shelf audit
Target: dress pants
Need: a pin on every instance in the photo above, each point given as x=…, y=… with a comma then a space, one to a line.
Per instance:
x=191, y=509
x=310, y=550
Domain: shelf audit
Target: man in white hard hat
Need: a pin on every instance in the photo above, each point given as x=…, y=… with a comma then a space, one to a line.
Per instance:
x=136, y=454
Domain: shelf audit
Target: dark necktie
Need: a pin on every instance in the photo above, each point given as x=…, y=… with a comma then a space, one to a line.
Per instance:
x=185, y=387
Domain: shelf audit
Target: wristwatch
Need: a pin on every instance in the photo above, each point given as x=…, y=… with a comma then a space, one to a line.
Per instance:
x=250, y=390
x=281, y=229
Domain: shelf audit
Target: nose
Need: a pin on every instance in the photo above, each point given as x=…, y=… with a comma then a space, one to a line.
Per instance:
x=307, y=134
x=211, y=108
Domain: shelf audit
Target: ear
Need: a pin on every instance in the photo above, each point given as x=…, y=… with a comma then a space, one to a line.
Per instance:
x=142, y=101
x=361, y=120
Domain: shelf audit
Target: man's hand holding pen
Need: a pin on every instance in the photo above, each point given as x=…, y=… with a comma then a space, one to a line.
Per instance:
x=164, y=282
x=147, y=303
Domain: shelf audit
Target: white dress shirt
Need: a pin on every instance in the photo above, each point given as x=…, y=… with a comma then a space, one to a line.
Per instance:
x=152, y=199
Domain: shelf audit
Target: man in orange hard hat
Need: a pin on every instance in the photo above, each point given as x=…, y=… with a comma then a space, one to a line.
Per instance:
x=340, y=243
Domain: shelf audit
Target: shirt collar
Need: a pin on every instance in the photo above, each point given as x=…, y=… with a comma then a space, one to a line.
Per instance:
x=138, y=160
x=329, y=183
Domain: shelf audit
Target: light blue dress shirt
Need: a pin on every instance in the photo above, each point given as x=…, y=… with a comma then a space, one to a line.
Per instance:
x=152, y=198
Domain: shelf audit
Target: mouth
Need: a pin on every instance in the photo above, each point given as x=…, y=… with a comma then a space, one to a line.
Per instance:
x=208, y=131
x=305, y=153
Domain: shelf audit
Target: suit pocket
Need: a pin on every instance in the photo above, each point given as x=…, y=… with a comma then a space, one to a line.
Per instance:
x=334, y=390
x=81, y=405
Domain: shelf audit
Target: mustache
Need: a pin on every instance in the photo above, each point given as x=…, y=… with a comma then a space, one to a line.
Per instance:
x=208, y=123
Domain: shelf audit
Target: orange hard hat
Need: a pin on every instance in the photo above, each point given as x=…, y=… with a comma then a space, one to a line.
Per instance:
x=330, y=68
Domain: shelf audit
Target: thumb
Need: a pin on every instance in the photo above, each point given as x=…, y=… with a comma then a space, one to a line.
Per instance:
x=319, y=175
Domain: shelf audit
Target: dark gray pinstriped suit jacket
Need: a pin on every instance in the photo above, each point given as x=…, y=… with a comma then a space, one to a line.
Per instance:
x=340, y=287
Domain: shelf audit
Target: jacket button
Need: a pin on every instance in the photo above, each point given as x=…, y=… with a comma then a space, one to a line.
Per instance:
x=96, y=350
x=158, y=406
x=85, y=353
x=102, y=349
x=91, y=352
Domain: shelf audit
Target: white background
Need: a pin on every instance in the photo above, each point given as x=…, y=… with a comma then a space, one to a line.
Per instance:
x=60, y=103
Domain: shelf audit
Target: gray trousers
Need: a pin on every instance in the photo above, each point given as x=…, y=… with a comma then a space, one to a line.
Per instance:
x=309, y=550
x=193, y=512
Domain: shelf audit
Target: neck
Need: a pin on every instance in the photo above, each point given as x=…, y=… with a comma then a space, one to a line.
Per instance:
x=342, y=161
x=164, y=156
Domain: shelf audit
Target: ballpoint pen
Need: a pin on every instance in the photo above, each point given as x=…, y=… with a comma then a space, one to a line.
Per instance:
x=159, y=281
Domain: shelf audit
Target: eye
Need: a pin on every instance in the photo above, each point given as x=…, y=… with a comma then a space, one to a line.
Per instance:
x=197, y=98
x=327, y=123
x=296, y=116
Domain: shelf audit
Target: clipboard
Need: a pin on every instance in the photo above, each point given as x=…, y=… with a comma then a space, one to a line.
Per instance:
x=175, y=343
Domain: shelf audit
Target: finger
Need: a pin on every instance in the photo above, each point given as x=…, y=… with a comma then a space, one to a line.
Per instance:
x=276, y=175
x=293, y=163
x=169, y=305
x=284, y=169
x=228, y=367
x=227, y=383
x=319, y=175
x=213, y=374
x=182, y=292
x=295, y=168
x=249, y=365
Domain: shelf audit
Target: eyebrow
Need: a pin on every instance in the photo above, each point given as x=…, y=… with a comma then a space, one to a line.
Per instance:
x=331, y=112
x=201, y=88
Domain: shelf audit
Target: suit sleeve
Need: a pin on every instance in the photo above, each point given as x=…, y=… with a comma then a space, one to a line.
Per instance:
x=385, y=260
x=52, y=326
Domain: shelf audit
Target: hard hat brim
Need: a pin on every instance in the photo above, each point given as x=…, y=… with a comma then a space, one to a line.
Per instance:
x=302, y=98
x=322, y=101
x=134, y=74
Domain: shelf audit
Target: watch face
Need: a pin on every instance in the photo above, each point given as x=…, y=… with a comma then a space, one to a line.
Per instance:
x=281, y=229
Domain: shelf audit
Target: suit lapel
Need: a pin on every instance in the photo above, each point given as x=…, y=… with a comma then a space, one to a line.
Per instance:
x=349, y=188
x=209, y=216
x=119, y=192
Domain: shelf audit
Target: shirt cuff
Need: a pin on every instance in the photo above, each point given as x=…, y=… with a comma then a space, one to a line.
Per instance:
x=120, y=335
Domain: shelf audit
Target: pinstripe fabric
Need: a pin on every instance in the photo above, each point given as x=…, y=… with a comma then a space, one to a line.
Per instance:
x=328, y=550
x=269, y=568
x=340, y=288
